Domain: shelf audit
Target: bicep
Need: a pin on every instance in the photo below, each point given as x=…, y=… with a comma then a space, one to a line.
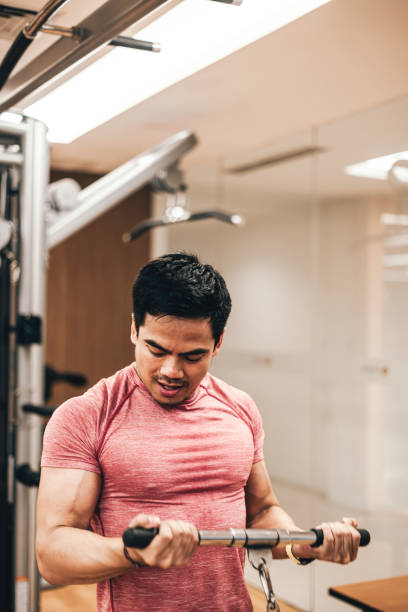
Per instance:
x=259, y=494
x=66, y=497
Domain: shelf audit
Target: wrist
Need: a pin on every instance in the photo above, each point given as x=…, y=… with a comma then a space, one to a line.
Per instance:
x=129, y=557
x=295, y=553
x=119, y=558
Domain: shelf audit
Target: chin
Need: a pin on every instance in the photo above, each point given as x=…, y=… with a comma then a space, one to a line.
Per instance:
x=169, y=401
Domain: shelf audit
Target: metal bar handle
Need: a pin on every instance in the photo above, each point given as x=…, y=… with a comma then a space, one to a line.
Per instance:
x=138, y=537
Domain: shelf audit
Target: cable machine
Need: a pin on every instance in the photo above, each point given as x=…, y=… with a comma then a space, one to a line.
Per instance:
x=24, y=178
x=24, y=243
x=8, y=258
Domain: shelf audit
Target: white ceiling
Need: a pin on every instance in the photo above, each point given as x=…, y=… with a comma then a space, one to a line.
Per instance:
x=336, y=70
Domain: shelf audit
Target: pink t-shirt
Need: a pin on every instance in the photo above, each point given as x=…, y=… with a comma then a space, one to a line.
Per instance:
x=188, y=462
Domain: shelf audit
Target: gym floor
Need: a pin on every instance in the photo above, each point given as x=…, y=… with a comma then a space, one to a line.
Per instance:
x=82, y=599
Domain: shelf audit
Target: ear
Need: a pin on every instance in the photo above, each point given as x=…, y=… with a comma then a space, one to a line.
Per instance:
x=133, y=332
x=217, y=348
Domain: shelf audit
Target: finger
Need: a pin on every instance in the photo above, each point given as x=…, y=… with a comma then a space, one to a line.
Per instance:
x=161, y=546
x=145, y=520
x=356, y=537
x=350, y=521
x=326, y=550
x=192, y=539
x=347, y=542
x=184, y=542
x=337, y=543
x=348, y=545
x=339, y=546
x=176, y=549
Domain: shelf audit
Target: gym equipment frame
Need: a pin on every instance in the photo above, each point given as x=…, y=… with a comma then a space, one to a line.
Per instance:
x=24, y=244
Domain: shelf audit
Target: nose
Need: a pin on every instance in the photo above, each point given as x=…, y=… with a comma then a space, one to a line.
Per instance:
x=171, y=368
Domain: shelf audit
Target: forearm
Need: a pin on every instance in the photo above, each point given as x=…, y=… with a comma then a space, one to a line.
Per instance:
x=274, y=517
x=76, y=556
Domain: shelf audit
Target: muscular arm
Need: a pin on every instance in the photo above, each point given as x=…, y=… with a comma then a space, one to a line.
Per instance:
x=67, y=553
x=341, y=539
x=263, y=508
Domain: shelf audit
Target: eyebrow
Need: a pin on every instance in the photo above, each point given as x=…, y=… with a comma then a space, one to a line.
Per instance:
x=197, y=351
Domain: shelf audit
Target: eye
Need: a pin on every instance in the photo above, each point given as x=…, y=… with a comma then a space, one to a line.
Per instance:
x=156, y=353
x=194, y=359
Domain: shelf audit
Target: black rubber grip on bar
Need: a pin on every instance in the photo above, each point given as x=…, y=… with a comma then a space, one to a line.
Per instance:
x=365, y=537
x=138, y=537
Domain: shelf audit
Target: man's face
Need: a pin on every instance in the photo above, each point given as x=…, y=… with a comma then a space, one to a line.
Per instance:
x=173, y=355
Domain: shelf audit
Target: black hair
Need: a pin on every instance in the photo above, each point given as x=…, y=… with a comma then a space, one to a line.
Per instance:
x=178, y=284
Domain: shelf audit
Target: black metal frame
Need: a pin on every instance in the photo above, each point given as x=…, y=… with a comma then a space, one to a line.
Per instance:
x=7, y=439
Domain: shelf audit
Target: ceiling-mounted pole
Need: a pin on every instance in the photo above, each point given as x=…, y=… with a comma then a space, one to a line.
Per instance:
x=104, y=24
x=119, y=41
x=133, y=43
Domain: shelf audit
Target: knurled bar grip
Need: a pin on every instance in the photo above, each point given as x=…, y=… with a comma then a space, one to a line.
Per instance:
x=138, y=537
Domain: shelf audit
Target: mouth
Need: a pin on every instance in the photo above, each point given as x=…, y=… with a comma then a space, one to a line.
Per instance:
x=169, y=390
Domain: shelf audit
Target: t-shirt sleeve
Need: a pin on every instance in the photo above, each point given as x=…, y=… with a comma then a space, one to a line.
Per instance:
x=70, y=438
x=254, y=420
x=258, y=432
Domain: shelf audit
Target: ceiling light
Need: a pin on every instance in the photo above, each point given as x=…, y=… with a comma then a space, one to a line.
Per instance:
x=193, y=35
x=377, y=167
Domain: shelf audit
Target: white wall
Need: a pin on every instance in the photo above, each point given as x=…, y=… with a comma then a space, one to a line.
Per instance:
x=313, y=326
x=305, y=334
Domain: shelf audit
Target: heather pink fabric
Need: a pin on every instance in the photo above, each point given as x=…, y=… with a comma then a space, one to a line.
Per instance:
x=187, y=462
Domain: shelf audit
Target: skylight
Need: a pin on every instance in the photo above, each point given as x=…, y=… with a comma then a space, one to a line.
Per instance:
x=378, y=167
x=193, y=35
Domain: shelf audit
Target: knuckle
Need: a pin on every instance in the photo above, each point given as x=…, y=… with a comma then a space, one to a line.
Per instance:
x=166, y=537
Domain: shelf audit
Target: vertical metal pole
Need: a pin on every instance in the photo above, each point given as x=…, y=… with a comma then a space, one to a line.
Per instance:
x=7, y=310
x=32, y=302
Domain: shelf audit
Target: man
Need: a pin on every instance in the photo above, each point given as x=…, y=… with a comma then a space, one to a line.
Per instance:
x=163, y=443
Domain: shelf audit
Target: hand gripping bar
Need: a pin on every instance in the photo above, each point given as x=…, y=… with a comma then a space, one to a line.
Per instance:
x=138, y=537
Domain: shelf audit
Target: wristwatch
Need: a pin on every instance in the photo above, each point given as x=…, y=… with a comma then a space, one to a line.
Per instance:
x=297, y=560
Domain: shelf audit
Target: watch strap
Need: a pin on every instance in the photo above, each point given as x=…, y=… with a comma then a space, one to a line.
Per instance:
x=297, y=560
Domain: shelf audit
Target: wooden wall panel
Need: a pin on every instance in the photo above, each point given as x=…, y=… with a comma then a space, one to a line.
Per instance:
x=89, y=293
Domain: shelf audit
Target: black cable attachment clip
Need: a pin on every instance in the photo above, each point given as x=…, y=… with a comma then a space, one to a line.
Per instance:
x=27, y=476
x=44, y=411
x=29, y=329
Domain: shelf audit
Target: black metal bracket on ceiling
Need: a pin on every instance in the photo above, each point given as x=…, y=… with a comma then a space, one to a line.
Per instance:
x=31, y=29
x=99, y=29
